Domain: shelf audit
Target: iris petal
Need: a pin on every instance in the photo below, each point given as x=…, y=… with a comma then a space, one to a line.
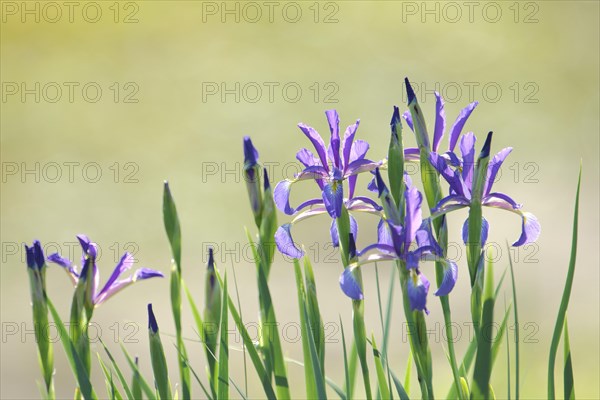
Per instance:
x=494, y=167
x=449, y=279
x=417, y=289
x=413, y=218
x=124, y=264
x=531, y=229
x=440, y=121
x=485, y=226
x=456, y=184
x=408, y=118
x=334, y=143
x=333, y=197
x=349, y=142
x=285, y=243
x=460, y=122
x=350, y=286
x=359, y=150
x=467, y=149
x=317, y=142
x=335, y=239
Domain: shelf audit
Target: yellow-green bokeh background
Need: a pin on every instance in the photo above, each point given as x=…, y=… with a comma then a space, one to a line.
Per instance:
x=171, y=133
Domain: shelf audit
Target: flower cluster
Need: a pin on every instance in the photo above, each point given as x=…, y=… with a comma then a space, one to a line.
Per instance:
x=403, y=234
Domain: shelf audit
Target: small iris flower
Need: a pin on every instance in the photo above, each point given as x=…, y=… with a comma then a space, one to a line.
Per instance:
x=460, y=176
x=114, y=284
x=409, y=240
x=343, y=160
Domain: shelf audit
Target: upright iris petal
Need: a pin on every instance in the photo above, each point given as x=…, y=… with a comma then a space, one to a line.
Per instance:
x=417, y=289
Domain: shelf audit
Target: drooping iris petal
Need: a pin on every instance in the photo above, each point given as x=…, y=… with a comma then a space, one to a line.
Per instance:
x=361, y=203
x=333, y=197
x=449, y=280
x=494, y=167
x=506, y=202
x=349, y=143
x=467, y=149
x=459, y=124
x=285, y=244
x=485, y=226
x=124, y=264
x=350, y=286
x=530, y=229
x=417, y=289
x=317, y=141
x=440, y=121
x=424, y=238
x=281, y=196
x=335, y=239
x=359, y=166
x=334, y=143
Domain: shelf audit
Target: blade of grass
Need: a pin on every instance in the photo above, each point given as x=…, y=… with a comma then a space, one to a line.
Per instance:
x=195, y=375
x=508, y=377
x=120, y=375
x=136, y=387
x=315, y=383
x=385, y=324
x=237, y=297
x=314, y=315
x=223, y=384
x=270, y=336
x=408, y=372
x=399, y=388
x=569, y=380
x=347, y=382
x=564, y=303
x=112, y=390
x=77, y=365
x=483, y=361
x=252, y=352
x=516, y=318
x=148, y=391
x=157, y=355
x=381, y=379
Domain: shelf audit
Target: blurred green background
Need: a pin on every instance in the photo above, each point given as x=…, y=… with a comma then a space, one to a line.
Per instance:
x=103, y=101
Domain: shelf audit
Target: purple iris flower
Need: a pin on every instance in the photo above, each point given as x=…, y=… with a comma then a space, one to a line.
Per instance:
x=409, y=240
x=114, y=284
x=412, y=153
x=459, y=176
x=342, y=160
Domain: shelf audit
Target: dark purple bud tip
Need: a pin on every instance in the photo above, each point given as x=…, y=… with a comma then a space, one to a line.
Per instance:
x=38, y=254
x=485, y=151
x=351, y=247
x=266, y=183
x=211, y=259
x=152, y=319
x=30, y=257
x=409, y=91
x=137, y=360
x=250, y=153
x=380, y=185
x=395, y=121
